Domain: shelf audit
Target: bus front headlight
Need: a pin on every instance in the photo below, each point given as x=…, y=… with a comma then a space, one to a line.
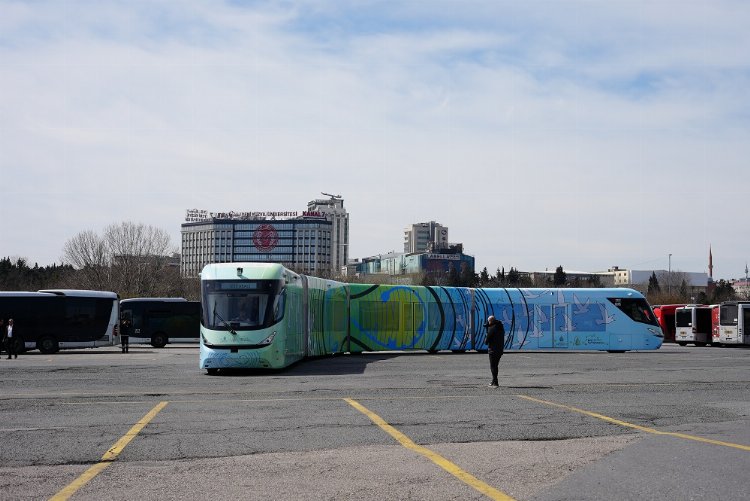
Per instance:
x=655, y=332
x=269, y=339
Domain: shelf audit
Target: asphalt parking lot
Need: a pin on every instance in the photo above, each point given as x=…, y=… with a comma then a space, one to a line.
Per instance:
x=99, y=424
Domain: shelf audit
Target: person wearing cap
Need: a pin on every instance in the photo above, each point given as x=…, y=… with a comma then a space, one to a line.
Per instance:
x=495, y=345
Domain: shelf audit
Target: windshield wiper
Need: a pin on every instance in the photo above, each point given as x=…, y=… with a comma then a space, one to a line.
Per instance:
x=226, y=324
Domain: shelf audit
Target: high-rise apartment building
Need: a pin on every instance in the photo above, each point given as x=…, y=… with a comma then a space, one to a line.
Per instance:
x=332, y=209
x=424, y=237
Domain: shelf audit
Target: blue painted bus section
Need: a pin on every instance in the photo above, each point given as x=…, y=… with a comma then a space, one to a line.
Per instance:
x=264, y=315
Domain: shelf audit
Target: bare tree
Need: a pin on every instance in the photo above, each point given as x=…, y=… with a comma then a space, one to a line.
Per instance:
x=131, y=259
x=139, y=255
x=87, y=252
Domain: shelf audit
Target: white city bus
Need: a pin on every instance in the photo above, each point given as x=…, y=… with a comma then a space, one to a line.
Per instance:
x=57, y=319
x=693, y=325
x=734, y=322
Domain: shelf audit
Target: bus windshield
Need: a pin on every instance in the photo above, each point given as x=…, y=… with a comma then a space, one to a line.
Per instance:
x=241, y=304
x=728, y=314
x=636, y=308
x=684, y=318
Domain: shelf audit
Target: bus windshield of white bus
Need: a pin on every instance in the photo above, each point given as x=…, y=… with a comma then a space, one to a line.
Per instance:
x=242, y=304
x=728, y=314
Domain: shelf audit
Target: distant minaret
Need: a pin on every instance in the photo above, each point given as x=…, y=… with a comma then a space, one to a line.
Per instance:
x=710, y=265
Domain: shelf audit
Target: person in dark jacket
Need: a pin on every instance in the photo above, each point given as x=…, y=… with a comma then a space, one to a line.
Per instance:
x=11, y=340
x=495, y=345
x=125, y=328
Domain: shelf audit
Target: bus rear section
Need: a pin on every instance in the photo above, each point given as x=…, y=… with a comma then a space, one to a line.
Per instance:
x=665, y=316
x=693, y=325
x=158, y=321
x=734, y=321
x=715, y=327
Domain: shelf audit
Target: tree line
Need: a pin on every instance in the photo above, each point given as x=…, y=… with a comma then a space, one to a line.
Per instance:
x=133, y=260
x=137, y=260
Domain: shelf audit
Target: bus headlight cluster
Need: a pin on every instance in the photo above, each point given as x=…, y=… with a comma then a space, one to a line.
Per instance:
x=269, y=339
x=657, y=333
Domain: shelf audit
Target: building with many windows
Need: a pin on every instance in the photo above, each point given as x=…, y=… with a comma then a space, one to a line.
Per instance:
x=425, y=237
x=333, y=210
x=395, y=264
x=313, y=241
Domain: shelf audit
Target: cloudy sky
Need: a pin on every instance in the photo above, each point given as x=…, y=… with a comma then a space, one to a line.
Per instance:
x=577, y=133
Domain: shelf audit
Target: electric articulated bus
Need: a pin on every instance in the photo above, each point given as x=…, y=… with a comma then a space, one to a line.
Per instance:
x=52, y=320
x=262, y=315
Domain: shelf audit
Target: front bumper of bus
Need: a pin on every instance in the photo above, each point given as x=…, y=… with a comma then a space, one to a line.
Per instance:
x=240, y=356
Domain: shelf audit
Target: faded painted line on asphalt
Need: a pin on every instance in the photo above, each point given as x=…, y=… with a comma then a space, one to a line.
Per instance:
x=285, y=399
x=436, y=458
x=644, y=429
x=108, y=456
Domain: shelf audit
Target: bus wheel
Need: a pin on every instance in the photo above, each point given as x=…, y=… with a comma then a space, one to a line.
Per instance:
x=159, y=340
x=432, y=352
x=681, y=343
x=47, y=345
x=212, y=372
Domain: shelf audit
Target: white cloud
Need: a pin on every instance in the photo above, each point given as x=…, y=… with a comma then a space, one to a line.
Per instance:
x=585, y=134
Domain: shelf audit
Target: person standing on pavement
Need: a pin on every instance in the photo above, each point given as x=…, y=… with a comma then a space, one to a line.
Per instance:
x=125, y=328
x=11, y=339
x=495, y=345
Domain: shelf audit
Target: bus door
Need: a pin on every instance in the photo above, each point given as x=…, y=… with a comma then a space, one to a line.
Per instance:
x=543, y=325
x=743, y=333
x=305, y=315
x=561, y=326
x=715, y=328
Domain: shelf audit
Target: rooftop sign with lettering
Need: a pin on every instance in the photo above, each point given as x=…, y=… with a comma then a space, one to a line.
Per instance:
x=198, y=215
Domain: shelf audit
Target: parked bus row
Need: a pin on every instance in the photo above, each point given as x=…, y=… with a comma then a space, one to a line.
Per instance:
x=700, y=324
x=57, y=319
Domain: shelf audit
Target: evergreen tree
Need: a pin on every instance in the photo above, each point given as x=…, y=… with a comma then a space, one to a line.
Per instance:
x=684, y=290
x=723, y=291
x=454, y=277
x=467, y=277
x=560, y=278
x=484, y=278
x=513, y=277
x=653, y=284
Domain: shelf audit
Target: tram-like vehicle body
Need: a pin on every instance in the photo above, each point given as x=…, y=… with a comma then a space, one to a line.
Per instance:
x=262, y=315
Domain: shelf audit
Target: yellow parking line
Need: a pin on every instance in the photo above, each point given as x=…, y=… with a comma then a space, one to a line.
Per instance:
x=645, y=429
x=436, y=458
x=108, y=456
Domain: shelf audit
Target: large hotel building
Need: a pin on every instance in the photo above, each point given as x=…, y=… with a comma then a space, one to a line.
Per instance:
x=314, y=241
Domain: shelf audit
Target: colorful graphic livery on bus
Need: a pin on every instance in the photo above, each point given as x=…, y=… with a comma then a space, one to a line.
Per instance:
x=259, y=315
